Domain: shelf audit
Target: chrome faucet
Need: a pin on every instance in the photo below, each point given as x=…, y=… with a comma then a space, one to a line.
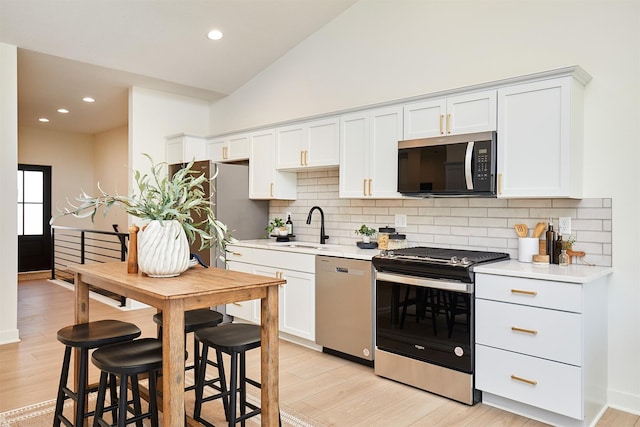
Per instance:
x=323, y=237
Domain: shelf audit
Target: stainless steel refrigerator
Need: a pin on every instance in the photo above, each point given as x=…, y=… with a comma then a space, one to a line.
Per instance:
x=245, y=218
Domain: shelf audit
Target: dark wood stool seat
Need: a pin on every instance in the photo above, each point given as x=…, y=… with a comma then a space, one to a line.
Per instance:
x=193, y=320
x=234, y=339
x=86, y=336
x=127, y=361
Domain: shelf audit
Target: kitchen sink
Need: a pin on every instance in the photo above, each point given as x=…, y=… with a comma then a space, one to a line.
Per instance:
x=305, y=245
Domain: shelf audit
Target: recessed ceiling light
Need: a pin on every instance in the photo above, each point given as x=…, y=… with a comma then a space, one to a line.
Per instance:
x=214, y=35
x=43, y=120
x=88, y=99
x=63, y=110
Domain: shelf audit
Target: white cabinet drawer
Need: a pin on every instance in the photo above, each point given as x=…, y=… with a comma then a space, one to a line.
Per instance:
x=273, y=258
x=550, y=334
x=284, y=260
x=537, y=293
x=554, y=386
x=239, y=253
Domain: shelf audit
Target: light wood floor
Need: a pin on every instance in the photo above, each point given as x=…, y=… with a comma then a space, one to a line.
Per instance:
x=328, y=389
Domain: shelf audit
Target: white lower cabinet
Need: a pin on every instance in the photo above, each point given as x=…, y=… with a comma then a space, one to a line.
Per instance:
x=541, y=347
x=296, y=299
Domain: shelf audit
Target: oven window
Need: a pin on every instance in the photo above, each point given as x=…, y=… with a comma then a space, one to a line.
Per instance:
x=428, y=324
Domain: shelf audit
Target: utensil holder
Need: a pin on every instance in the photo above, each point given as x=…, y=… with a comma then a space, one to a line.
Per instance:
x=527, y=248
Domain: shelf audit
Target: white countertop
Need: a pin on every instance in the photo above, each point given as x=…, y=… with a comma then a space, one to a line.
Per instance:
x=573, y=273
x=343, y=251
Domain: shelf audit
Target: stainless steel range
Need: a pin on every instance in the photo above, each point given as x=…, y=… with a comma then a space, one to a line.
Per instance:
x=424, y=318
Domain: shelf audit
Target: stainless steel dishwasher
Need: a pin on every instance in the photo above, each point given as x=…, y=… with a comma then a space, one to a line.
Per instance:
x=344, y=308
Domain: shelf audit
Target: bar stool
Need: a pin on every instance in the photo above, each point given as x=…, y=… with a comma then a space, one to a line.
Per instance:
x=126, y=361
x=86, y=336
x=193, y=320
x=234, y=339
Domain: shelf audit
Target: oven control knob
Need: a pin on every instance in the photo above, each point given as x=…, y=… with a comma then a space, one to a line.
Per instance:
x=465, y=261
x=454, y=260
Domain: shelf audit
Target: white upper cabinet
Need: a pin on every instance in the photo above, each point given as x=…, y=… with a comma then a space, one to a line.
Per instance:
x=540, y=139
x=183, y=148
x=230, y=148
x=265, y=182
x=369, y=153
x=313, y=144
x=466, y=113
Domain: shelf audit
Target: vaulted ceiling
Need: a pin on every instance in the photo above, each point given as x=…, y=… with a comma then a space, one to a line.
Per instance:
x=69, y=49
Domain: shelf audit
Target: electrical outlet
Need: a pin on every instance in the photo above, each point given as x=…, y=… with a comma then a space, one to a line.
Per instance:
x=400, y=220
x=564, y=225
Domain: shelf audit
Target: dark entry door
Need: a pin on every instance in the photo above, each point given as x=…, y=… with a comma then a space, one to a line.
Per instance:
x=34, y=213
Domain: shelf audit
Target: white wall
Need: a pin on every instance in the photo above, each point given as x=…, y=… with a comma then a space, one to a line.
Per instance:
x=8, y=193
x=111, y=170
x=381, y=50
x=154, y=115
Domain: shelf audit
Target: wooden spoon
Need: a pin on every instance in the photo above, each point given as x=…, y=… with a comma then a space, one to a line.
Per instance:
x=522, y=230
x=537, y=232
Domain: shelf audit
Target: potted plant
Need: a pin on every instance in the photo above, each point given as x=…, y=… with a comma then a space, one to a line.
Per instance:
x=277, y=227
x=169, y=204
x=366, y=233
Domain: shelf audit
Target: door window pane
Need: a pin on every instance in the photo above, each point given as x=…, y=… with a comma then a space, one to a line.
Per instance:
x=20, y=221
x=33, y=219
x=33, y=186
x=20, y=187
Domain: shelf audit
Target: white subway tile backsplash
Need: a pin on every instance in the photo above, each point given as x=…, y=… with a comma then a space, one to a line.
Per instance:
x=467, y=223
x=590, y=213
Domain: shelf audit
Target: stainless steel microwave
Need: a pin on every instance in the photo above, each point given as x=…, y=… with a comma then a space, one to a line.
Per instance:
x=454, y=165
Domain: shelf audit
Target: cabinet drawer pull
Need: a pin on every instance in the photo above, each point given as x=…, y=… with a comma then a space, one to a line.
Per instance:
x=441, y=121
x=236, y=253
x=524, y=380
x=237, y=304
x=526, y=331
x=520, y=291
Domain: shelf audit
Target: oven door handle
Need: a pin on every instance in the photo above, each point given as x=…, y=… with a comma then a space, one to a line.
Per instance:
x=466, y=288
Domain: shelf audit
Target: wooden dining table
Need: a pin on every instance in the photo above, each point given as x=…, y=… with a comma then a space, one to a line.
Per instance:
x=197, y=287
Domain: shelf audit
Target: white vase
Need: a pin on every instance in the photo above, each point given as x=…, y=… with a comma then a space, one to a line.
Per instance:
x=366, y=239
x=163, y=249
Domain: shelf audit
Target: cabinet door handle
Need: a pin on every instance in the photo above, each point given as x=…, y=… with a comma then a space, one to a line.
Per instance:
x=520, y=291
x=500, y=184
x=364, y=187
x=237, y=304
x=301, y=158
x=225, y=153
x=306, y=160
x=448, y=124
x=370, y=186
x=271, y=189
x=236, y=253
x=526, y=331
x=441, y=124
x=524, y=380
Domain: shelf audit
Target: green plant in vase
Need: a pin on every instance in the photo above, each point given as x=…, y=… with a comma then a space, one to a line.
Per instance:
x=275, y=227
x=366, y=233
